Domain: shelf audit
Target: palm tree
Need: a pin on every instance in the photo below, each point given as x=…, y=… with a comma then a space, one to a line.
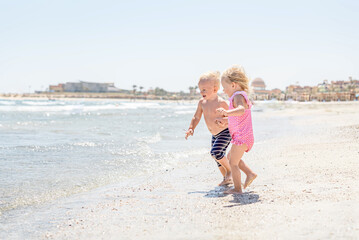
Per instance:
x=160, y=91
x=141, y=88
x=134, y=89
x=190, y=90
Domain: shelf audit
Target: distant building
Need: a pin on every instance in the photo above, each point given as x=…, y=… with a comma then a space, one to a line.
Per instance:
x=277, y=94
x=259, y=90
x=299, y=93
x=324, y=87
x=56, y=88
x=325, y=91
x=258, y=84
x=83, y=86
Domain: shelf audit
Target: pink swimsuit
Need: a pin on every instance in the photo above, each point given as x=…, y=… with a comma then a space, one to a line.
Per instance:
x=240, y=127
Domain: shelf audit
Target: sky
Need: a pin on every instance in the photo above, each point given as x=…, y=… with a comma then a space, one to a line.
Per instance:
x=169, y=44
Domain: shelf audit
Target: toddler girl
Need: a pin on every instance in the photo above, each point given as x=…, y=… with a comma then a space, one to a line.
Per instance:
x=235, y=85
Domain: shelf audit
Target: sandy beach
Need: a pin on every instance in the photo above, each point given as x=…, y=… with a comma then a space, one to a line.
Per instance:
x=307, y=188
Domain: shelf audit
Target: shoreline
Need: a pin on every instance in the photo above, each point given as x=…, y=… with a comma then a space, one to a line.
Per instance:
x=89, y=95
x=259, y=102
x=127, y=97
x=87, y=99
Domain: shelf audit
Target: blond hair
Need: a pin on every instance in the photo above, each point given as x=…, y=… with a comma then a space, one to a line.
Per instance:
x=236, y=74
x=211, y=76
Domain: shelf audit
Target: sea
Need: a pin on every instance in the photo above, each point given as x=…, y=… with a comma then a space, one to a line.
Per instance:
x=54, y=149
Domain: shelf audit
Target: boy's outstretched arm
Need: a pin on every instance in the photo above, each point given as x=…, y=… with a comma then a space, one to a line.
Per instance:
x=195, y=120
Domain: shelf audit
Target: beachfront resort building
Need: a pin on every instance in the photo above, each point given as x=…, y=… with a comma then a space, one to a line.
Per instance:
x=83, y=86
x=276, y=94
x=300, y=93
x=325, y=91
x=339, y=91
x=259, y=91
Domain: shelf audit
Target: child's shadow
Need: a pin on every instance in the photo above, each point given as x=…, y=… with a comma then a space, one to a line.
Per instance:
x=240, y=199
x=217, y=192
x=244, y=199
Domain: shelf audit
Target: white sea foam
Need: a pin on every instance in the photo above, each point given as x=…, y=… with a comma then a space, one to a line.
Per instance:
x=24, y=123
x=185, y=112
x=152, y=105
x=85, y=144
x=151, y=139
x=7, y=102
x=188, y=154
x=44, y=106
x=66, y=108
x=43, y=103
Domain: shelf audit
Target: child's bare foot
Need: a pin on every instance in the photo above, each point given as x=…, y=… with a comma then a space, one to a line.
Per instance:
x=249, y=180
x=226, y=181
x=233, y=191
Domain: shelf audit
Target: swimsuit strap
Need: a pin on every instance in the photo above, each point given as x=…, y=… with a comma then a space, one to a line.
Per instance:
x=244, y=94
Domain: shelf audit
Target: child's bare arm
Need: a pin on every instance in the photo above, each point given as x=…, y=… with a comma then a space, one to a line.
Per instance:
x=239, y=104
x=224, y=105
x=195, y=120
x=223, y=109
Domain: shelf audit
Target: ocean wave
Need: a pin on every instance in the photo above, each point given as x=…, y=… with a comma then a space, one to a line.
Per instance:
x=65, y=108
x=47, y=106
x=7, y=102
x=85, y=144
x=151, y=139
x=189, y=154
x=153, y=105
x=42, y=103
x=184, y=112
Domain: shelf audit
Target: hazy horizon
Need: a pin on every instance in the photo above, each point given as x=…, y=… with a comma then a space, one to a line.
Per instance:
x=169, y=44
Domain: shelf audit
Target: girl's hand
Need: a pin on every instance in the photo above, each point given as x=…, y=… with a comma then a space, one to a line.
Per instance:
x=189, y=133
x=221, y=122
x=222, y=111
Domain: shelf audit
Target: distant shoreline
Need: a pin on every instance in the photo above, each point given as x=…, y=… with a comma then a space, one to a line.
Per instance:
x=116, y=96
x=77, y=95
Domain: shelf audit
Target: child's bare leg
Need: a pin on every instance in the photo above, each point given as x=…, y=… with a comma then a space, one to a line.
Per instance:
x=228, y=174
x=222, y=170
x=235, y=157
x=250, y=174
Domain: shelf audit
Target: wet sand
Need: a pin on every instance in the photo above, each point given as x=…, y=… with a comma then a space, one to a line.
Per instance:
x=307, y=188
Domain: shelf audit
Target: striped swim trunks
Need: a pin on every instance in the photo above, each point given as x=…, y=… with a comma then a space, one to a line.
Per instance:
x=219, y=145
